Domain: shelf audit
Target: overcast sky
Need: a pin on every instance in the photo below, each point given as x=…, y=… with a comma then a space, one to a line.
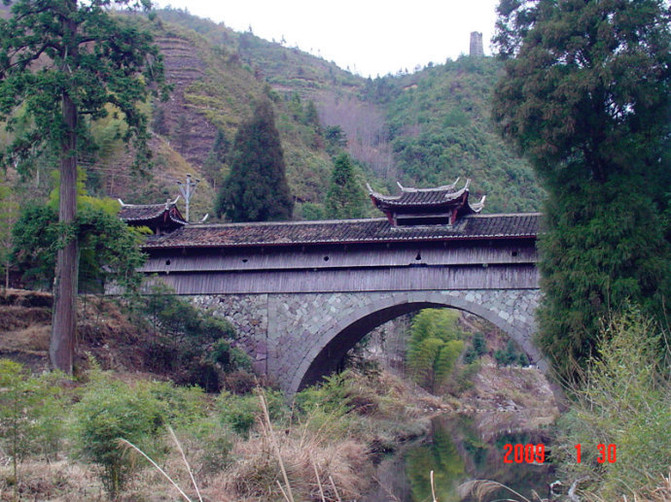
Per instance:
x=371, y=37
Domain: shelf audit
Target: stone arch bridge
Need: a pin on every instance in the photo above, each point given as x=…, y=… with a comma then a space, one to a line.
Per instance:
x=301, y=294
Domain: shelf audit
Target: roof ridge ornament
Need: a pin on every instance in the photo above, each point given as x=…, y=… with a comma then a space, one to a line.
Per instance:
x=426, y=206
x=442, y=188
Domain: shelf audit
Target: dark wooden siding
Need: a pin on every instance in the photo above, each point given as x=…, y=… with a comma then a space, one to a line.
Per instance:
x=413, y=277
x=330, y=257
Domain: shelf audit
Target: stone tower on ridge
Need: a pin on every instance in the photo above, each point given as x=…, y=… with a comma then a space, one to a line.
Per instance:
x=476, y=44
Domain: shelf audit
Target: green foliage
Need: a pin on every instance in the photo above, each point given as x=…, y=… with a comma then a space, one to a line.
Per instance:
x=336, y=139
x=109, y=60
x=476, y=349
x=195, y=347
x=256, y=188
x=511, y=356
x=214, y=443
x=240, y=412
x=312, y=212
x=435, y=323
x=605, y=247
x=9, y=214
x=586, y=99
x=29, y=413
x=331, y=395
x=217, y=158
x=443, y=458
x=181, y=407
x=479, y=344
x=434, y=347
x=439, y=129
x=345, y=198
x=328, y=406
x=62, y=64
x=110, y=410
x=36, y=239
x=625, y=401
x=109, y=249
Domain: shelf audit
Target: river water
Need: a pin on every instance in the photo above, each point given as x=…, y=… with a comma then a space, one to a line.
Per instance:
x=458, y=452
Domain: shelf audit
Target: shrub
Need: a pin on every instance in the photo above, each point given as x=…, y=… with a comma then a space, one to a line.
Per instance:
x=479, y=344
x=30, y=413
x=110, y=410
x=510, y=356
x=240, y=412
x=196, y=348
x=625, y=401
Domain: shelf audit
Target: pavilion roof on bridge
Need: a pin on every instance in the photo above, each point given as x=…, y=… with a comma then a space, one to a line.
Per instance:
x=161, y=218
x=422, y=206
x=369, y=231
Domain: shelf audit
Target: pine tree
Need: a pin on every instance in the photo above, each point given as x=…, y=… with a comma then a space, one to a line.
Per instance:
x=586, y=98
x=63, y=62
x=345, y=198
x=256, y=188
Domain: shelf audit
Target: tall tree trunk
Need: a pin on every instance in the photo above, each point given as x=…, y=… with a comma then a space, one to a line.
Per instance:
x=63, y=326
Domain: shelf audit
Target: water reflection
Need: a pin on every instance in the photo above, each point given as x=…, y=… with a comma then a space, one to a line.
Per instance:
x=457, y=452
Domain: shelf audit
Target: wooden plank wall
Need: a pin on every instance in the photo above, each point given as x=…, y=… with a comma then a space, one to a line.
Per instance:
x=331, y=257
x=361, y=279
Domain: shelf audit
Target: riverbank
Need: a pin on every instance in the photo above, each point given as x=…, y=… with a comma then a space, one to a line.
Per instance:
x=327, y=441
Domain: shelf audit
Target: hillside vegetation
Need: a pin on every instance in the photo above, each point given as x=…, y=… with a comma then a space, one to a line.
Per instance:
x=422, y=129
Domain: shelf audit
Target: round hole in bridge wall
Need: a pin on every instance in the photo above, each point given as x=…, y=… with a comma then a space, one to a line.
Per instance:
x=326, y=258
x=167, y=262
x=514, y=253
x=244, y=260
x=418, y=257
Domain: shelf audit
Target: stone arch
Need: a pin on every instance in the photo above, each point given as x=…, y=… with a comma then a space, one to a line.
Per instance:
x=336, y=338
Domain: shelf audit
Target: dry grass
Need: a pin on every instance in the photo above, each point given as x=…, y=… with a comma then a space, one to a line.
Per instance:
x=298, y=463
x=59, y=481
x=310, y=464
x=659, y=491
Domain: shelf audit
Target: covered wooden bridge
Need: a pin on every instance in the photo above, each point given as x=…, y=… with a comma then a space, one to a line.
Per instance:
x=301, y=294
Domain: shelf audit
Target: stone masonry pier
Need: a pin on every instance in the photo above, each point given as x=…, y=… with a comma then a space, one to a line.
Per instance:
x=297, y=338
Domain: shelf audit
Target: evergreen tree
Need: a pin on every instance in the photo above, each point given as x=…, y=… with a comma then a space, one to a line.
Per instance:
x=586, y=98
x=216, y=158
x=256, y=188
x=345, y=197
x=63, y=61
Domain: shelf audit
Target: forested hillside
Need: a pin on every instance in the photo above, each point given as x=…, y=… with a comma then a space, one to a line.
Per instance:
x=422, y=129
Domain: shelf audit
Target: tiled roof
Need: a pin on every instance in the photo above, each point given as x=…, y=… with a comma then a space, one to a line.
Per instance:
x=421, y=198
x=427, y=200
x=491, y=226
x=137, y=212
x=141, y=212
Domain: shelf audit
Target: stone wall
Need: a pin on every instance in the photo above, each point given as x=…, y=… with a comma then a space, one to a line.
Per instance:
x=286, y=334
x=249, y=315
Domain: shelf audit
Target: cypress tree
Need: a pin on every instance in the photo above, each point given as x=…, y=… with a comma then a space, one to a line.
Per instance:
x=586, y=97
x=345, y=198
x=66, y=63
x=256, y=188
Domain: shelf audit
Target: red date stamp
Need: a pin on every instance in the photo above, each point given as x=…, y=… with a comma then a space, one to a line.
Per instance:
x=521, y=453
x=535, y=453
